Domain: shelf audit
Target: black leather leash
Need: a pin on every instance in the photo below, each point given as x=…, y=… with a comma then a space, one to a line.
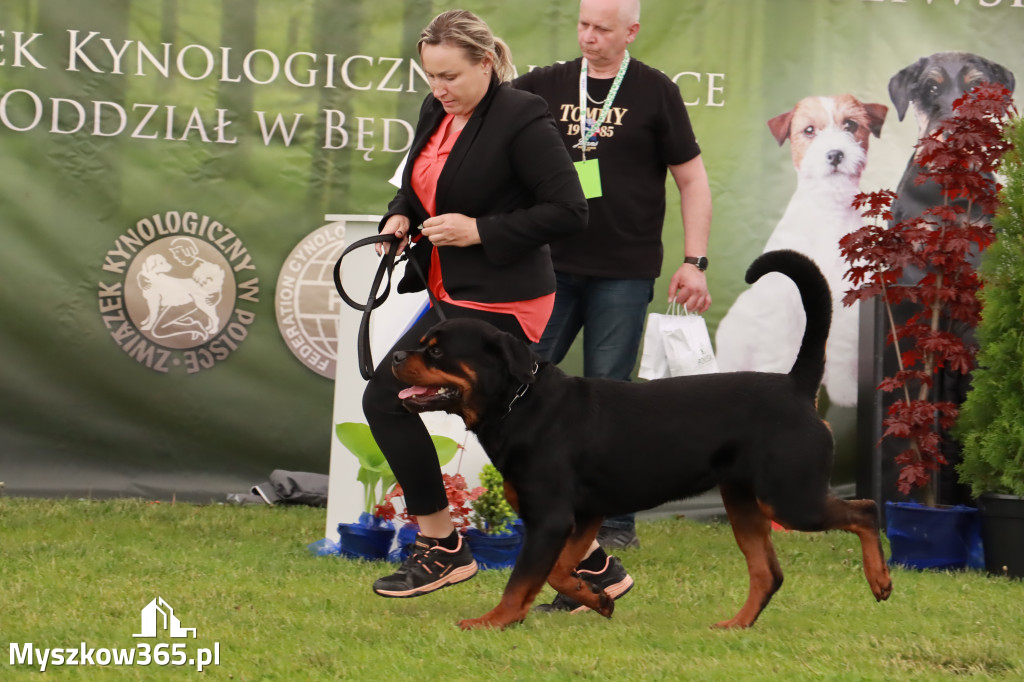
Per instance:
x=387, y=266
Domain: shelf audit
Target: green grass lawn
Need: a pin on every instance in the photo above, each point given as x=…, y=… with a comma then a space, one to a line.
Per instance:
x=74, y=572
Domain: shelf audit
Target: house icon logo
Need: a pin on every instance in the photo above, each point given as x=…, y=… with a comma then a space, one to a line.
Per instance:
x=158, y=614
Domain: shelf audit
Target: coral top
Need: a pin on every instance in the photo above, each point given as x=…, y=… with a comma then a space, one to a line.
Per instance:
x=533, y=314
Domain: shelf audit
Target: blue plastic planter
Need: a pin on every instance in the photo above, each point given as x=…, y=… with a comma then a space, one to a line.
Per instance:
x=366, y=539
x=925, y=537
x=494, y=551
x=406, y=536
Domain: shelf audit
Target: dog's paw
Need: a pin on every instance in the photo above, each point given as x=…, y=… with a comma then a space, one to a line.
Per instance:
x=486, y=622
x=607, y=604
x=479, y=624
x=732, y=624
x=879, y=579
x=882, y=590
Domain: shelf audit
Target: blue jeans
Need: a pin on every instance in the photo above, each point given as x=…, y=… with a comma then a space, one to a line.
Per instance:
x=611, y=313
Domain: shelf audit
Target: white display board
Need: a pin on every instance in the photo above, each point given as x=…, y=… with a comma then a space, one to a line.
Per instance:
x=387, y=324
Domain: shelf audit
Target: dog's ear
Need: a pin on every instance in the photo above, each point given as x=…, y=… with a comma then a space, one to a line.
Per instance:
x=518, y=357
x=997, y=73
x=901, y=85
x=780, y=126
x=1009, y=81
x=876, y=117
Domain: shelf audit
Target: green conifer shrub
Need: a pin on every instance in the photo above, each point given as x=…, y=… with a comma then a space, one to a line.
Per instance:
x=991, y=422
x=491, y=511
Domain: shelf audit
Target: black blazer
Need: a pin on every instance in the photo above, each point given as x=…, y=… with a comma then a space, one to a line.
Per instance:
x=510, y=170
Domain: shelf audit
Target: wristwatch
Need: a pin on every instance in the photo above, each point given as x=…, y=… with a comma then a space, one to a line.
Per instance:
x=701, y=263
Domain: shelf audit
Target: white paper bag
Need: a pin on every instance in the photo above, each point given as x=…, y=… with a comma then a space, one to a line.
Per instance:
x=653, y=361
x=676, y=345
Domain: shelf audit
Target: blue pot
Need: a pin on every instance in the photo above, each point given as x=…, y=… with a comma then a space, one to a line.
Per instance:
x=922, y=537
x=366, y=539
x=494, y=551
x=406, y=536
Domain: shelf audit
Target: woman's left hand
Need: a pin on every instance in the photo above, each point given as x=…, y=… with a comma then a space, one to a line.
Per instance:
x=451, y=229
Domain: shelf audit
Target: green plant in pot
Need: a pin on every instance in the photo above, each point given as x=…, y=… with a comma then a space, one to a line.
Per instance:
x=492, y=514
x=374, y=472
x=923, y=267
x=378, y=481
x=494, y=540
x=991, y=422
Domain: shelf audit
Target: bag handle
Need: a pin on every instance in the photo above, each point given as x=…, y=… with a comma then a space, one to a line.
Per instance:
x=674, y=306
x=387, y=266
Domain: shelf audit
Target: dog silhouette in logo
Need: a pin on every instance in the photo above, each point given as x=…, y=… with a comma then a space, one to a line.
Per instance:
x=197, y=295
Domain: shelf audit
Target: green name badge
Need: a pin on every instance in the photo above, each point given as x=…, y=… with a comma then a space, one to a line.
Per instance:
x=590, y=178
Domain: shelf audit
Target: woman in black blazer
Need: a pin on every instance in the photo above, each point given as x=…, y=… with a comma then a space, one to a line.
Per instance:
x=488, y=184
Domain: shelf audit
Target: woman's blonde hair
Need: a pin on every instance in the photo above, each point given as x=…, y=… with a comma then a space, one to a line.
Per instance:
x=462, y=28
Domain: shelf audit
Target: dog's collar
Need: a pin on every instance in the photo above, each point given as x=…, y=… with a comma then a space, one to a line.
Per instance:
x=523, y=388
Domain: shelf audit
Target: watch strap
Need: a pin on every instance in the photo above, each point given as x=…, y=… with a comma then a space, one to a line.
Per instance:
x=701, y=262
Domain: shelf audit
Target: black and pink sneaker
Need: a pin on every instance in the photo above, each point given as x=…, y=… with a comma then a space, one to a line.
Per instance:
x=429, y=567
x=601, y=571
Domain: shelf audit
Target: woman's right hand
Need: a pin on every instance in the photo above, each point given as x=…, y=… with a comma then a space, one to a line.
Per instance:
x=397, y=225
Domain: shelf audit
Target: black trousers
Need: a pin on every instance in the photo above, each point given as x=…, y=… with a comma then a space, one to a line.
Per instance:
x=401, y=435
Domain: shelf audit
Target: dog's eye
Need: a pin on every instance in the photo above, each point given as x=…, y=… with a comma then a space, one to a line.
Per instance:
x=809, y=131
x=850, y=126
x=435, y=352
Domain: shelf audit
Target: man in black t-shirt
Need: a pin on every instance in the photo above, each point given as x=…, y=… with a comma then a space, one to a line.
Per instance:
x=634, y=131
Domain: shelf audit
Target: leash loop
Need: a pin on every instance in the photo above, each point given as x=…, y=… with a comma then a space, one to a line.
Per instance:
x=387, y=266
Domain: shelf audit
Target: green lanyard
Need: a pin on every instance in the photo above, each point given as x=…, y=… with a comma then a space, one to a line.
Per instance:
x=586, y=132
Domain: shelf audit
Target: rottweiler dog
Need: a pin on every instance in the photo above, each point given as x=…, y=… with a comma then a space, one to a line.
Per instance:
x=573, y=451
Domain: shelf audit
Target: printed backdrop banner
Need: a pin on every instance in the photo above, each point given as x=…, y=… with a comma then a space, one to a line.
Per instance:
x=169, y=325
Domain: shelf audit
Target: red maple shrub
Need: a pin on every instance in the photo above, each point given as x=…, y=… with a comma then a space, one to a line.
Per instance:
x=960, y=157
x=459, y=499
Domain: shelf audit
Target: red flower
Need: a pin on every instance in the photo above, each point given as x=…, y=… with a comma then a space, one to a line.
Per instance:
x=459, y=497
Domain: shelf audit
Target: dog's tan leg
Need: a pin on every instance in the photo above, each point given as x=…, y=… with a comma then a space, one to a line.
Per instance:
x=513, y=607
x=861, y=517
x=564, y=579
x=533, y=565
x=752, y=530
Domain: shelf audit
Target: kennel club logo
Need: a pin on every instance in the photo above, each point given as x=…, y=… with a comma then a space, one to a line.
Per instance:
x=306, y=302
x=178, y=292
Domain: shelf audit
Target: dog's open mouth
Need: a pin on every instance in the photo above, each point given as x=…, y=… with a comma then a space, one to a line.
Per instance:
x=428, y=398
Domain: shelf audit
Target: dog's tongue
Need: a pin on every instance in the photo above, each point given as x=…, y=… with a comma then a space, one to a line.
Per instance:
x=414, y=391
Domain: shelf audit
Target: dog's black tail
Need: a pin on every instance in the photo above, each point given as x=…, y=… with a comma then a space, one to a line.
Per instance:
x=809, y=367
